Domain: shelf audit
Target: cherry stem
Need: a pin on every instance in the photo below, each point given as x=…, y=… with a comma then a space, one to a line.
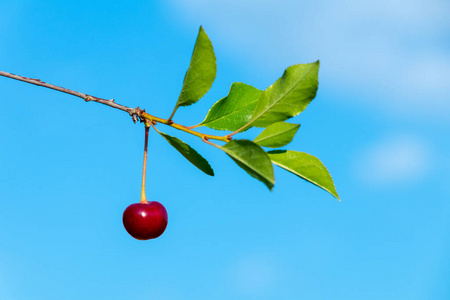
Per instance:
x=143, y=197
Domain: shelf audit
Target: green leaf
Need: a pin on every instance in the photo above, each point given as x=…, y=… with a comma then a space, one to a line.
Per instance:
x=189, y=153
x=277, y=135
x=233, y=111
x=252, y=158
x=288, y=96
x=201, y=72
x=305, y=166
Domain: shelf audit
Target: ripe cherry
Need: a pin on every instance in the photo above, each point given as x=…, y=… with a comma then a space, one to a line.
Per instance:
x=145, y=221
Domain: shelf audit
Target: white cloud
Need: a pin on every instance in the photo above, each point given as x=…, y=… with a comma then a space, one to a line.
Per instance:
x=396, y=50
x=255, y=275
x=394, y=160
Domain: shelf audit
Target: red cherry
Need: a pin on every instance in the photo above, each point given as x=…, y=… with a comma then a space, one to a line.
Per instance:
x=145, y=221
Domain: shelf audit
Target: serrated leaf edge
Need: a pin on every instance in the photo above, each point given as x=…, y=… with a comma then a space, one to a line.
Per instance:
x=205, y=124
x=252, y=120
x=273, y=183
x=312, y=181
x=164, y=136
x=279, y=133
x=201, y=29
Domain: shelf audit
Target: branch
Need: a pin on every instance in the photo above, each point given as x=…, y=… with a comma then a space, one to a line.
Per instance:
x=135, y=113
x=132, y=111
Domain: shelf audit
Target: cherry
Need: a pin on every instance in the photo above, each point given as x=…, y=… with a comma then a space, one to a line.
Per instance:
x=145, y=221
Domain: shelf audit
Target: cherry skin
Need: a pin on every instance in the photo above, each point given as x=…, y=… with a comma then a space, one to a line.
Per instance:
x=145, y=221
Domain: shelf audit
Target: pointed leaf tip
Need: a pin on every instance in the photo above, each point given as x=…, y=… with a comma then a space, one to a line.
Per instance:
x=189, y=153
x=277, y=135
x=235, y=110
x=201, y=72
x=253, y=159
x=288, y=96
x=305, y=166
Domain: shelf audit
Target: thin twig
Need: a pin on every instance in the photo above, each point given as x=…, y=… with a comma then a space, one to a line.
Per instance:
x=132, y=111
x=135, y=113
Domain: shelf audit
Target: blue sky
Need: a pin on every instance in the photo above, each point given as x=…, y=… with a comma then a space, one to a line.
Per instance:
x=379, y=123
